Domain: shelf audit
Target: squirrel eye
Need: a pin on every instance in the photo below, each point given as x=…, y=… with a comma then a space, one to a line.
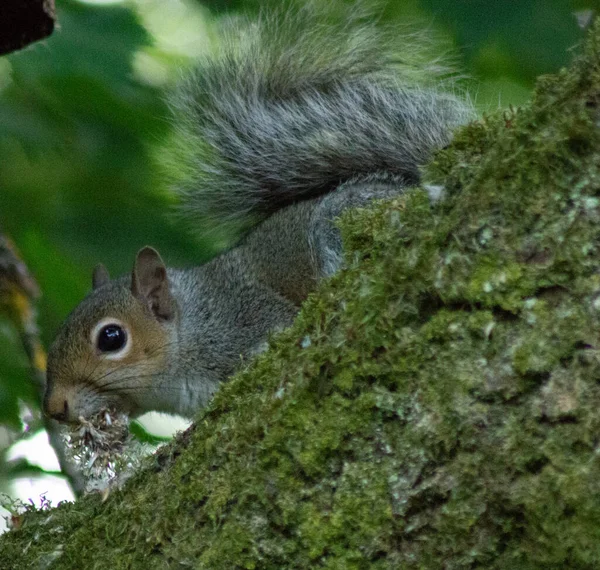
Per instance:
x=111, y=338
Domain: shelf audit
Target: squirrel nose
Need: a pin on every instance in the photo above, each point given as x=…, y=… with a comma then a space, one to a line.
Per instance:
x=64, y=414
x=59, y=411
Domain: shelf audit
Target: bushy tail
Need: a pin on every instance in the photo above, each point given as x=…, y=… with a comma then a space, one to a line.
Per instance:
x=298, y=102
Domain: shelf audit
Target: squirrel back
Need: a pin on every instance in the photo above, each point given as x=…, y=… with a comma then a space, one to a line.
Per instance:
x=291, y=107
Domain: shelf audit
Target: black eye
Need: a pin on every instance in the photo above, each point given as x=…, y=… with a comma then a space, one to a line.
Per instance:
x=111, y=338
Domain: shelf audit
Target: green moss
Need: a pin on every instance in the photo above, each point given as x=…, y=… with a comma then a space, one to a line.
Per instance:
x=434, y=406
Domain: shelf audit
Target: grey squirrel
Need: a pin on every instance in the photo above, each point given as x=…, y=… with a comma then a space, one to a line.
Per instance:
x=296, y=120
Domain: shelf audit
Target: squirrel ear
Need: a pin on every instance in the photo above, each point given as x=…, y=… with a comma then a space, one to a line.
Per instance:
x=100, y=276
x=149, y=282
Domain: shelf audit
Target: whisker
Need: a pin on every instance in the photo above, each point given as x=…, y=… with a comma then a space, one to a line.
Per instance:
x=121, y=365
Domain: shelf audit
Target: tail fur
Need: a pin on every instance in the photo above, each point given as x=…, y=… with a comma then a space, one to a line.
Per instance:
x=294, y=105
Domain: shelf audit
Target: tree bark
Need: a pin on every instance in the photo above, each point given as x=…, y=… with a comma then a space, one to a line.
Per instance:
x=23, y=22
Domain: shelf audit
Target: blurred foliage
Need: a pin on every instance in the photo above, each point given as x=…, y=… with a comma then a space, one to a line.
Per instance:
x=81, y=113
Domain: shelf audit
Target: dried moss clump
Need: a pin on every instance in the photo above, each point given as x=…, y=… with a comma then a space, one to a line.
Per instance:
x=434, y=406
x=100, y=447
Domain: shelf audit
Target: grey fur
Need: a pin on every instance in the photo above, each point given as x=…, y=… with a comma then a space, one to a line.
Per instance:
x=295, y=107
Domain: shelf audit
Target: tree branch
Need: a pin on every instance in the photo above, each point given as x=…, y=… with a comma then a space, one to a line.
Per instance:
x=23, y=22
x=18, y=290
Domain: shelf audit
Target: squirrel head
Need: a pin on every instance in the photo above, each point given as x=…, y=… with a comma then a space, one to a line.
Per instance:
x=112, y=345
